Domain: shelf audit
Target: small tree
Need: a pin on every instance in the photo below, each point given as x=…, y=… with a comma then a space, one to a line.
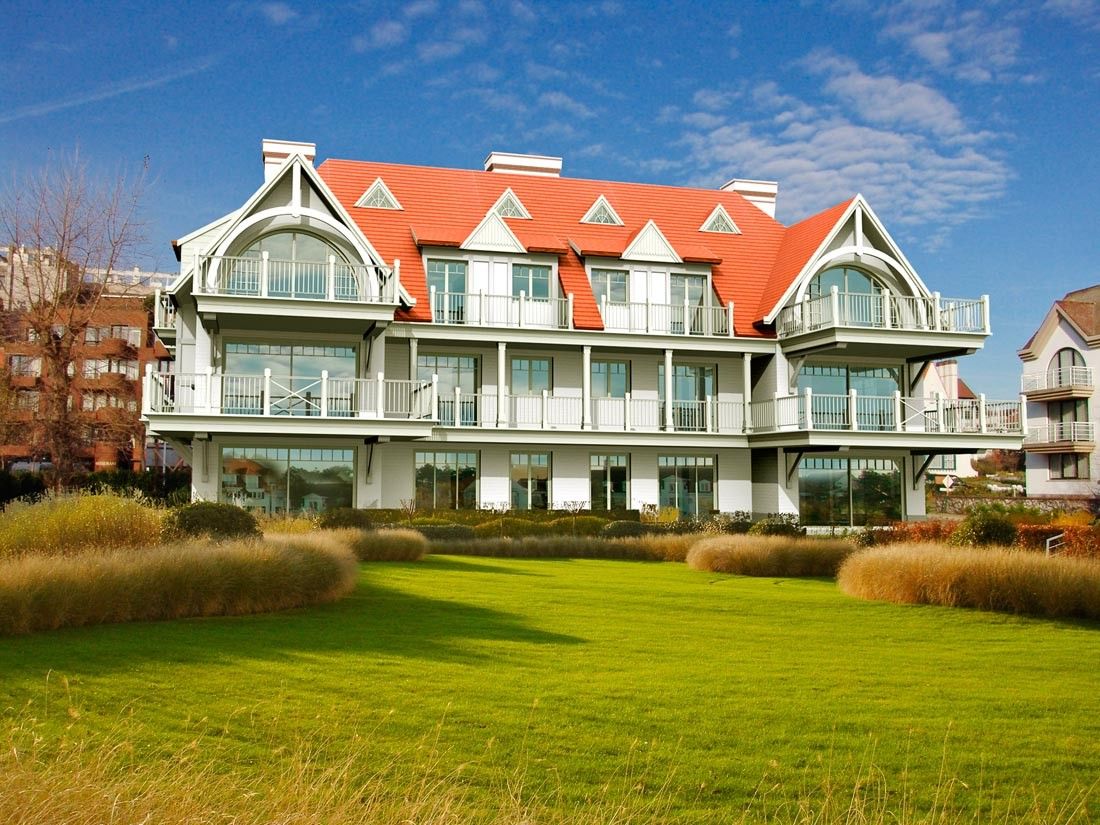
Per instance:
x=68, y=235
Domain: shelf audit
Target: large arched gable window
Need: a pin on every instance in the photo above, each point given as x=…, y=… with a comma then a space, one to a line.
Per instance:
x=298, y=266
x=845, y=279
x=1066, y=358
x=294, y=246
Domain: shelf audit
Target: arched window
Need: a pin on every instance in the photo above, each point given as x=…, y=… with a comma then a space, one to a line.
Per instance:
x=293, y=246
x=1064, y=358
x=297, y=267
x=845, y=279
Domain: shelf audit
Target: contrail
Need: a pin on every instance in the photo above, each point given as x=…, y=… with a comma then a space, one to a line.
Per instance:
x=124, y=87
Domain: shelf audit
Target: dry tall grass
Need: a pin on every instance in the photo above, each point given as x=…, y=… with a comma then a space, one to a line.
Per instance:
x=639, y=548
x=389, y=544
x=776, y=556
x=67, y=524
x=994, y=578
x=199, y=579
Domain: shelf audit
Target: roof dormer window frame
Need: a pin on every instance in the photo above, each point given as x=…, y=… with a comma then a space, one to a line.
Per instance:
x=509, y=195
x=713, y=223
x=602, y=205
x=376, y=188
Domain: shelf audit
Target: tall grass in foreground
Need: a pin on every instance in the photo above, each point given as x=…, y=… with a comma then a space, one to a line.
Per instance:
x=994, y=578
x=776, y=556
x=66, y=524
x=639, y=548
x=89, y=783
x=200, y=579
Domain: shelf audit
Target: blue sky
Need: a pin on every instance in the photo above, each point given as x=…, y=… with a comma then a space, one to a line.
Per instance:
x=972, y=129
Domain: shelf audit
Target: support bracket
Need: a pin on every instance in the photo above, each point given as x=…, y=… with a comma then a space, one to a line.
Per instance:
x=792, y=466
x=924, y=466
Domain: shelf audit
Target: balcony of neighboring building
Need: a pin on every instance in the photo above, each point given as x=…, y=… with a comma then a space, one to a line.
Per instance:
x=1060, y=437
x=1057, y=384
x=916, y=326
x=164, y=319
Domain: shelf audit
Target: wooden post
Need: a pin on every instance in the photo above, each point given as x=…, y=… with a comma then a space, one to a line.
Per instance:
x=458, y=407
x=435, y=397
x=853, y=410
x=982, y=423
x=267, y=390
x=545, y=405
x=729, y=319
x=834, y=304
x=264, y=271
x=626, y=411
x=330, y=280
x=808, y=401
x=324, y=393
x=897, y=410
x=586, y=388
x=569, y=311
x=380, y=400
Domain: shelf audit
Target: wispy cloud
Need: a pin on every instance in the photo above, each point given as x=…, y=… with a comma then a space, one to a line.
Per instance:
x=111, y=90
x=560, y=100
x=278, y=13
x=382, y=34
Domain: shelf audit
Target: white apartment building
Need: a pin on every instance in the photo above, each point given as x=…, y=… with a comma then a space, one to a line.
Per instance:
x=1059, y=363
x=369, y=334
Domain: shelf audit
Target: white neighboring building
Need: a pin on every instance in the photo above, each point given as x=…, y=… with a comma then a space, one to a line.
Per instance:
x=1060, y=362
x=368, y=334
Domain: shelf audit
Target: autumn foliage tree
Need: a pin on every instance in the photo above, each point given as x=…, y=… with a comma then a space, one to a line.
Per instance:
x=68, y=234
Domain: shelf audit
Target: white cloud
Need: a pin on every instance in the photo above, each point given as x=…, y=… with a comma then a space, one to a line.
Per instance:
x=439, y=50
x=278, y=14
x=421, y=8
x=381, y=35
x=560, y=100
x=523, y=12
x=713, y=99
x=1084, y=13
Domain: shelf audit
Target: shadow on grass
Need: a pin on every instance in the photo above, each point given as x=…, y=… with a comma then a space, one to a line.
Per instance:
x=458, y=565
x=374, y=621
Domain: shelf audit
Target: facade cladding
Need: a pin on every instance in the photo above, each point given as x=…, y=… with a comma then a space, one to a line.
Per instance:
x=372, y=335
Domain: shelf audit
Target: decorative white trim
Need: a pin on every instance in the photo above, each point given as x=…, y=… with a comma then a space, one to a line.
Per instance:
x=379, y=186
x=720, y=214
x=493, y=235
x=602, y=203
x=516, y=203
x=650, y=244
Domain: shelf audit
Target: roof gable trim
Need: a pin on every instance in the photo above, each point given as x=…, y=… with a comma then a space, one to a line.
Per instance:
x=602, y=212
x=720, y=221
x=493, y=235
x=509, y=205
x=650, y=244
x=378, y=196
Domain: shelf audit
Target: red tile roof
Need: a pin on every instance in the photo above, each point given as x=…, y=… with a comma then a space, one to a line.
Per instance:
x=442, y=207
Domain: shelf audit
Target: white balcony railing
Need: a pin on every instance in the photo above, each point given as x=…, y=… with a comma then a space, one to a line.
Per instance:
x=270, y=395
x=1056, y=379
x=1060, y=431
x=266, y=277
x=164, y=311
x=886, y=413
x=667, y=319
x=483, y=309
x=884, y=311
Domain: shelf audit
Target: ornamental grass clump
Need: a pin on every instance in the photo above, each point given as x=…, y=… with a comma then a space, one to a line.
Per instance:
x=77, y=523
x=772, y=556
x=171, y=582
x=988, y=578
x=642, y=548
x=388, y=544
x=213, y=520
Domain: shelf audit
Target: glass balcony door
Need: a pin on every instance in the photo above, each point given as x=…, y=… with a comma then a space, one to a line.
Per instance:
x=692, y=384
x=455, y=372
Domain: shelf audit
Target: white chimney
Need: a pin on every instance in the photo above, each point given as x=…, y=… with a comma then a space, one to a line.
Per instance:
x=543, y=165
x=760, y=193
x=949, y=375
x=277, y=151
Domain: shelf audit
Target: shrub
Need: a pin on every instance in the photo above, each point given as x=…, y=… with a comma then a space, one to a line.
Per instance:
x=991, y=578
x=1083, y=542
x=20, y=485
x=641, y=548
x=580, y=525
x=287, y=524
x=198, y=579
x=984, y=527
x=393, y=544
x=728, y=523
x=431, y=521
x=930, y=530
x=339, y=518
x=212, y=519
x=778, y=524
x=447, y=532
x=1078, y=518
x=665, y=546
x=626, y=529
x=509, y=527
x=776, y=556
x=80, y=522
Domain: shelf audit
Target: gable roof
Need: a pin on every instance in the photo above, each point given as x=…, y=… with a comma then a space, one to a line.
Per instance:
x=443, y=207
x=1079, y=308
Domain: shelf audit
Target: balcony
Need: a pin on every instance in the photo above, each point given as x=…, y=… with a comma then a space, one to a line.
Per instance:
x=891, y=420
x=1059, y=384
x=667, y=319
x=925, y=327
x=164, y=319
x=269, y=404
x=334, y=290
x=1060, y=437
x=483, y=309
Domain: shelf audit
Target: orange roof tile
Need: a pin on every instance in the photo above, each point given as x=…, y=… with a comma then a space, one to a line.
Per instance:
x=442, y=206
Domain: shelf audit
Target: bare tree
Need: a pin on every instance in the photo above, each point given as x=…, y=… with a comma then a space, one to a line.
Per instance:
x=68, y=235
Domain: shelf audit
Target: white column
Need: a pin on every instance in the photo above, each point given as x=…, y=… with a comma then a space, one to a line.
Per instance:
x=853, y=410
x=746, y=388
x=324, y=393
x=668, y=389
x=982, y=425
x=586, y=388
x=834, y=303
x=897, y=410
x=808, y=410
x=414, y=345
x=985, y=313
x=502, y=374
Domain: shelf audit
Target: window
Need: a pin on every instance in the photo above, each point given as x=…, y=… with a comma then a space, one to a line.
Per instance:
x=297, y=267
x=858, y=303
x=449, y=280
x=1069, y=465
x=530, y=481
x=944, y=463
x=611, y=286
x=509, y=206
x=1063, y=415
x=610, y=379
x=446, y=480
x=849, y=492
x=692, y=385
x=688, y=295
x=27, y=400
x=455, y=372
x=98, y=367
x=92, y=401
x=602, y=212
x=530, y=376
x=874, y=385
x=273, y=480
x=610, y=482
x=720, y=221
x=1065, y=358
x=24, y=365
x=295, y=378
x=1067, y=368
x=532, y=281
x=686, y=482
x=378, y=197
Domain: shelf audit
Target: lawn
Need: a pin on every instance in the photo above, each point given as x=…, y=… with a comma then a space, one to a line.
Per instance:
x=578, y=675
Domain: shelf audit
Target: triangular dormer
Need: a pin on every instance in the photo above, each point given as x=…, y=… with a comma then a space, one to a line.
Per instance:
x=493, y=235
x=720, y=221
x=509, y=205
x=650, y=244
x=602, y=212
x=378, y=196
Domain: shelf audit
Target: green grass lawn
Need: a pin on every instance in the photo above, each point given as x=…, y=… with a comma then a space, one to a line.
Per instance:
x=576, y=673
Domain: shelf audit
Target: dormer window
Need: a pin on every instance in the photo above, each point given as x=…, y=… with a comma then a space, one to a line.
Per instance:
x=509, y=205
x=719, y=221
x=602, y=212
x=378, y=196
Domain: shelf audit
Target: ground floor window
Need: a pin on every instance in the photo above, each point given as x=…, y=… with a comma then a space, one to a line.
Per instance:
x=943, y=463
x=530, y=481
x=1069, y=465
x=446, y=480
x=287, y=480
x=610, y=481
x=686, y=482
x=845, y=492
